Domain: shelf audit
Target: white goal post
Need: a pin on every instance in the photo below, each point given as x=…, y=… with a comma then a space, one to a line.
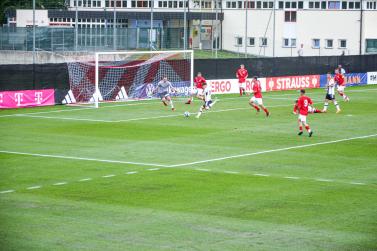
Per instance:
x=122, y=75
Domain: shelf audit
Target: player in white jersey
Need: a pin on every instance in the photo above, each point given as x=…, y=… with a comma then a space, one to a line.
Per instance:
x=330, y=96
x=208, y=103
x=163, y=89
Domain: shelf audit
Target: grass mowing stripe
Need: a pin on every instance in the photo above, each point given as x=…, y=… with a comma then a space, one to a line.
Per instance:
x=272, y=150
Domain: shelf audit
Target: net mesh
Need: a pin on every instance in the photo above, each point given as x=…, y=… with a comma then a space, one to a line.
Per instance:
x=124, y=76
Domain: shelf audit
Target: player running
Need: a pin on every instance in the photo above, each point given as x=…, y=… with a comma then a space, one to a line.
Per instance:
x=256, y=101
x=303, y=104
x=341, y=84
x=311, y=109
x=163, y=89
x=197, y=91
x=330, y=96
x=208, y=103
x=242, y=75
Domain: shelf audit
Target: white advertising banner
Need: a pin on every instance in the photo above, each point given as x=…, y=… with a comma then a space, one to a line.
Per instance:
x=372, y=78
x=228, y=86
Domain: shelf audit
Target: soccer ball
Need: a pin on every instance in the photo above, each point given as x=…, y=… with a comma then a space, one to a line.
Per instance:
x=186, y=114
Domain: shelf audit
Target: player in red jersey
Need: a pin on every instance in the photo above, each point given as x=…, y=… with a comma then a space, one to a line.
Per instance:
x=311, y=109
x=341, y=84
x=198, y=88
x=303, y=104
x=242, y=75
x=256, y=101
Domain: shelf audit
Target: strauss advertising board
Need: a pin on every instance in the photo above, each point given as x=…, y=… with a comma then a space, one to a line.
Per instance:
x=292, y=82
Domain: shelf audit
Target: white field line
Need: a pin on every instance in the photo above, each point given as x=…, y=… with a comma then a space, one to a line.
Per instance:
x=231, y=172
x=133, y=172
x=33, y=187
x=108, y=176
x=85, y=179
x=291, y=177
x=60, y=184
x=202, y=170
x=142, y=118
x=7, y=191
x=357, y=183
x=272, y=150
x=81, y=158
x=153, y=169
x=324, y=180
x=148, y=103
x=75, y=109
x=261, y=174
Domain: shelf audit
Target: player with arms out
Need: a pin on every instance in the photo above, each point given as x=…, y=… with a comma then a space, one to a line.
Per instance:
x=330, y=96
x=256, y=101
x=341, y=84
x=197, y=91
x=208, y=103
x=163, y=89
x=242, y=75
x=303, y=104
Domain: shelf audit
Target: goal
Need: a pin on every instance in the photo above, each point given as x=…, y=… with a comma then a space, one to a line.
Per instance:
x=120, y=76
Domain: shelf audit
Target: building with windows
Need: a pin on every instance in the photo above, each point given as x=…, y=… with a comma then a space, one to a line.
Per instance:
x=265, y=28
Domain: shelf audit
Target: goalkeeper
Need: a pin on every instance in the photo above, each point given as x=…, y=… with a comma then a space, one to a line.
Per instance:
x=163, y=89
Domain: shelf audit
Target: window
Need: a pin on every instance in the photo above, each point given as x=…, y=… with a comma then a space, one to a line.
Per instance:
x=371, y=46
x=259, y=5
x=323, y=5
x=124, y=4
x=263, y=42
x=289, y=42
x=107, y=3
x=311, y=5
x=238, y=41
x=281, y=5
x=316, y=43
x=300, y=5
x=119, y=4
x=333, y=5
x=357, y=5
x=329, y=43
x=344, y=5
x=270, y=5
x=287, y=5
x=239, y=4
x=251, y=41
x=265, y=5
x=94, y=3
x=372, y=5
x=290, y=16
x=351, y=5
x=316, y=5
x=342, y=43
x=294, y=5
x=98, y=3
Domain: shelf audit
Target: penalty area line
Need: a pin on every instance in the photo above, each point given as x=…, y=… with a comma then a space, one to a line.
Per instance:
x=81, y=158
x=272, y=150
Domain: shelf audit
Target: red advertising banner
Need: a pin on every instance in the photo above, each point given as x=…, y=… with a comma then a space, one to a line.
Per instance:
x=227, y=86
x=292, y=82
x=18, y=99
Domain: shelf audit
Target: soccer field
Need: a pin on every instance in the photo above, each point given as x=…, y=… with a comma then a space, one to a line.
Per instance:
x=137, y=176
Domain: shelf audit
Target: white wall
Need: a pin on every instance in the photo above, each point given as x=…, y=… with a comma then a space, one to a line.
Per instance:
x=25, y=18
x=310, y=24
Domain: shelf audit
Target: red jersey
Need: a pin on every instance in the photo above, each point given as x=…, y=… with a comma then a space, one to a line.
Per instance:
x=339, y=79
x=295, y=108
x=257, y=89
x=303, y=104
x=199, y=81
x=242, y=75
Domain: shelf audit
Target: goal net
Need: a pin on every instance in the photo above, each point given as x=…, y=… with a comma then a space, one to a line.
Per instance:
x=119, y=76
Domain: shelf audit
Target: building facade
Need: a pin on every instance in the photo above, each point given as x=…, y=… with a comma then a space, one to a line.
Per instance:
x=264, y=28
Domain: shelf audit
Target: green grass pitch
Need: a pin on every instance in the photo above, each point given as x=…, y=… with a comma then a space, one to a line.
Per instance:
x=137, y=176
